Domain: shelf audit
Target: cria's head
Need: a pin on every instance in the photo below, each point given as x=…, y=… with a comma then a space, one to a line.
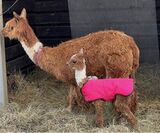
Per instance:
x=15, y=27
x=77, y=61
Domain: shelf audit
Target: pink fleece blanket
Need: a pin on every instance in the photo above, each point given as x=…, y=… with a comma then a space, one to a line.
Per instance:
x=107, y=89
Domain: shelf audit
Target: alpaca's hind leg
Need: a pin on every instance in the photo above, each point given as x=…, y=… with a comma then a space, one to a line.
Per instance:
x=133, y=76
x=99, y=105
x=121, y=106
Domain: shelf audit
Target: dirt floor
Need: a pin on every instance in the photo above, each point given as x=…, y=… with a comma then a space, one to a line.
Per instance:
x=37, y=104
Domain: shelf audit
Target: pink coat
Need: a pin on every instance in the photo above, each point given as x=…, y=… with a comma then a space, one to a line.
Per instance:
x=107, y=89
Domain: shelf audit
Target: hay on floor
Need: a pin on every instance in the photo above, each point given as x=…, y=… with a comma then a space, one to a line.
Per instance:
x=37, y=104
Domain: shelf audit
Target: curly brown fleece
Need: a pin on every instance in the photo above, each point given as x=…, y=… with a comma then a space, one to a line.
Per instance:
x=108, y=53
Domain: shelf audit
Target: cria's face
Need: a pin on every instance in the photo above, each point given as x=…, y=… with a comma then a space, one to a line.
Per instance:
x=76, y=62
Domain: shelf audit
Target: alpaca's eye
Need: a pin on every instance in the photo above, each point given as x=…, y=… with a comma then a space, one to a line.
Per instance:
x=10, y=29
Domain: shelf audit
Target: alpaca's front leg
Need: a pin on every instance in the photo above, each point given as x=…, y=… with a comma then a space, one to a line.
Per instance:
x=99, y=105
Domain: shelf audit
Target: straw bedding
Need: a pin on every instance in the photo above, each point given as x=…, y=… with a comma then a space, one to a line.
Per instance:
x=37, y=102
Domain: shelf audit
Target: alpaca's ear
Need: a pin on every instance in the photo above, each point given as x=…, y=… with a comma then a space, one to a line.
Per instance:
x=81, y=51
x=23, y=13
x=16, y=16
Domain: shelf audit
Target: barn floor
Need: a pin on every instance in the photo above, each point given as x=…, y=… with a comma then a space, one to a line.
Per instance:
x=37, y=105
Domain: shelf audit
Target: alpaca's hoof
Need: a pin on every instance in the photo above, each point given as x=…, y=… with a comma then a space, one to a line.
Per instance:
x=99, y=124
x=68, y=110
x=135, y=128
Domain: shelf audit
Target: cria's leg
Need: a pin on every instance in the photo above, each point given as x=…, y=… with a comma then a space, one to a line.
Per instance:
x=70, y=99
x=121, y=106
x=99, y=105
x=107, y=73
x=78, y=98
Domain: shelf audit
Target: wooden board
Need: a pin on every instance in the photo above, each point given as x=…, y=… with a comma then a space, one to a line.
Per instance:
x=9, y=43
x=109, y=4
x=3, y=80
x=139, y=29
x=18, y=63
x=28, y=4
x=53, y=31
x=37, y=6
x=45, y=18
x=49, y=18
x=50, y=21
x=14, y=52
x=157, y=3
x=51, y=6
x=158, y=19
x=135, y=17
x=113, y=16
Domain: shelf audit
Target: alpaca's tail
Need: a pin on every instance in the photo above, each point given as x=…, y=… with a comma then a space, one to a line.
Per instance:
x=136, y=56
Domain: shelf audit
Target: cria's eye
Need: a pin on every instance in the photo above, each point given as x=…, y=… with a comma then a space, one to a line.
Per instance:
x=74, y=62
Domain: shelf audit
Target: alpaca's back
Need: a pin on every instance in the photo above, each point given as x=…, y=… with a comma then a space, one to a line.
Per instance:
x=103, y=50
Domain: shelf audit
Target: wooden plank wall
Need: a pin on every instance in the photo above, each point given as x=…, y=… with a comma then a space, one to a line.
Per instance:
x=50, y=21
x=135, y=17
x=3, y=79
x=158, y=19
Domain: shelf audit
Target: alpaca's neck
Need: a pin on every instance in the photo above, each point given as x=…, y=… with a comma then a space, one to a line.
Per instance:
x=30, y=42
x=80, y=75
x=32, y=50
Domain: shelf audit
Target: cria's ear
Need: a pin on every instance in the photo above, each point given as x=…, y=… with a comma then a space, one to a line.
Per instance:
x=81, y=51
x=16, y=16
x=23, y=13
x=67, y=62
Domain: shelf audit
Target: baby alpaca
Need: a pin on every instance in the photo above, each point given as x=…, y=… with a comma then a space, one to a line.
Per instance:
x=119, y=90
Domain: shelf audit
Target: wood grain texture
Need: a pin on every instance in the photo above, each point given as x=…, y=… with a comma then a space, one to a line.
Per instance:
x=135, y=17
x=3, y=79
x=50, y=21
x=18, y=63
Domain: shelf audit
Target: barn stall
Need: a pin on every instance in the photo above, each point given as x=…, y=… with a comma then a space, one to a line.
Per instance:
x=58, y=21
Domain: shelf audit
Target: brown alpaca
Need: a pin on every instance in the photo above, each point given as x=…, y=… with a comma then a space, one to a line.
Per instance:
x=107, y=53
x=125, y=105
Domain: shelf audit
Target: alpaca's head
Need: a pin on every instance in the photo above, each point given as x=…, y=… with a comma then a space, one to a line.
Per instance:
x=77, y=61
x=15, y=28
